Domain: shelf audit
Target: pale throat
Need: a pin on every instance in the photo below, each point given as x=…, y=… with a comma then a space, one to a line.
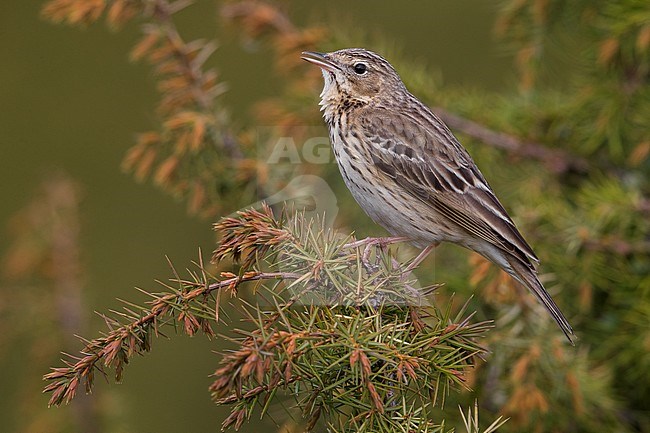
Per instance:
x=332, y=96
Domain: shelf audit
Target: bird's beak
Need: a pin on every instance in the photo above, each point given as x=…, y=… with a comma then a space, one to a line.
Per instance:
x=321, y=60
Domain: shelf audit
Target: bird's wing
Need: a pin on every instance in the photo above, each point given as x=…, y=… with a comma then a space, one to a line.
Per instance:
x=420, y=153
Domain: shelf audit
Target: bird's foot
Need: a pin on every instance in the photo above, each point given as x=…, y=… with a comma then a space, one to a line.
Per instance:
x=381, y=242
x=369, y=243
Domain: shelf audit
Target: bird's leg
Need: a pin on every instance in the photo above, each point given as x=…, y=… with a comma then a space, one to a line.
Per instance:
x=365, y=258
x=369, y=243
x=420, y=257
x=412, y=293
x=382, y=244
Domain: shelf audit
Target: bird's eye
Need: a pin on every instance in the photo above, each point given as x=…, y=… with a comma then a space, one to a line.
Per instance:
x=360, y=68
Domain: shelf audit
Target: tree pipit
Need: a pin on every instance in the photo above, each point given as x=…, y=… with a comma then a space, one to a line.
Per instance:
x=410, y=174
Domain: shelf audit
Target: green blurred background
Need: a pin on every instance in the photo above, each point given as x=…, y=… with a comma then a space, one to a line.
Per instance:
x=71, y=100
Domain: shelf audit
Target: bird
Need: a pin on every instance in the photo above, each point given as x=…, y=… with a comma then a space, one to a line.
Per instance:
x=410, y=174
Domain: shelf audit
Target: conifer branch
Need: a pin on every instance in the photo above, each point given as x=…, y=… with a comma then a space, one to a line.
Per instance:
x=323, y=329
x=592, y=233
x=44, y=274
x=556, y=160
x=134, y=337
x=194, y=130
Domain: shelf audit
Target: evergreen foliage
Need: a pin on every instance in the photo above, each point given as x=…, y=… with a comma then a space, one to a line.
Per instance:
x=342, y=330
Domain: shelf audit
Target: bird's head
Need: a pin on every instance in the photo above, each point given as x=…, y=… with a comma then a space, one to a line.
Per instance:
x=355, y=73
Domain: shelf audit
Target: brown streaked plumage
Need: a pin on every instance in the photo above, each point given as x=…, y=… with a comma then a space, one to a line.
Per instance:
x=410, y=174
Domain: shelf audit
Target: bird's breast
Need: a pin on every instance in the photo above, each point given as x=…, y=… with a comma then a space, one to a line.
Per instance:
x=380, y=197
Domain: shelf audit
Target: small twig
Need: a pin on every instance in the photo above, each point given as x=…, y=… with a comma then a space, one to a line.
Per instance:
x=163, y=12
x=108, y=348
x=617, y=246
x=234, y=281
x=557, y=160
x=256, y=391
x=63, y=198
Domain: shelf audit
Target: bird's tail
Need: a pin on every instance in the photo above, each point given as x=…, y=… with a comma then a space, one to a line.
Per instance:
x=528, y=277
